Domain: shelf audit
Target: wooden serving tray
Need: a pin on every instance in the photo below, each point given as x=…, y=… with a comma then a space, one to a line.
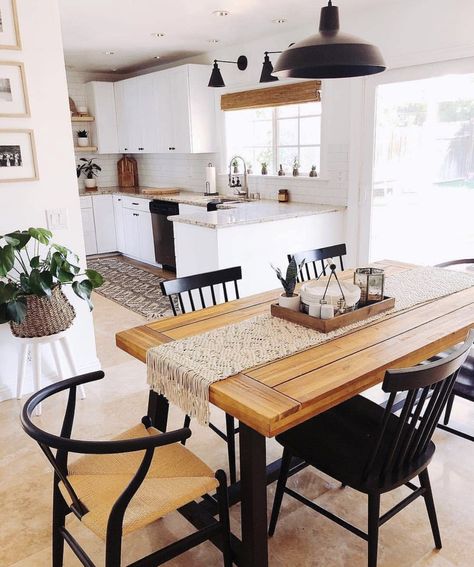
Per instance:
x=328, y=325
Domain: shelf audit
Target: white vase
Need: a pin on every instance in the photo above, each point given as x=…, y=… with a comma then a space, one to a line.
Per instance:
x=90, y=183
x=82, y=142
x=292, y=302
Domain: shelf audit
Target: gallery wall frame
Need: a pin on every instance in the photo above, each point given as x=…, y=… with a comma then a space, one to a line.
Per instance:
x=9, y=28
x=18, y=160
x=13, y=90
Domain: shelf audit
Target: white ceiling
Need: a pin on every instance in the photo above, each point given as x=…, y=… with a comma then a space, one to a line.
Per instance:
x=91, y=27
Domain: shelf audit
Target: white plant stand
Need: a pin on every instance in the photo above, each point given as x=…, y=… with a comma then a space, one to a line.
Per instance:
x=35, y=347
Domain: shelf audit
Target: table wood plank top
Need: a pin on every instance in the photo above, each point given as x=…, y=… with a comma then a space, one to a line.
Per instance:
x=275, y=396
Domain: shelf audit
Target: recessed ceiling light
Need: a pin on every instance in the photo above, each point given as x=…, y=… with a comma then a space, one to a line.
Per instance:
x=221, y=13
x=109, y=52
x=158, y=34
x=157, y=57
x=213, y=40
x=279, y=21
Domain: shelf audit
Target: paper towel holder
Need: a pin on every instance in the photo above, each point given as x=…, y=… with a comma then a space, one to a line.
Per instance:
x=207, y=191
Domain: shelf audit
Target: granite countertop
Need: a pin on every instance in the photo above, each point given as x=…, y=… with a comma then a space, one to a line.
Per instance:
x=253, y=212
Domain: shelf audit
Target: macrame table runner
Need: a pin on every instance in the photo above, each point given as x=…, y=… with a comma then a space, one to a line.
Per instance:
x=183, y=370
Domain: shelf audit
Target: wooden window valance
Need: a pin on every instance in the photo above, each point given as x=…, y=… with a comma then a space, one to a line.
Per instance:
x=294, y=93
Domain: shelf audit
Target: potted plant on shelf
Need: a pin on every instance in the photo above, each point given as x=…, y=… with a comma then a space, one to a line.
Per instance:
x=289, y=298
x=281, y=171
x=313, y=172
x=83, y=138
x=264, y=168
x=33, y=270
x=296, y=167
x=90, y=171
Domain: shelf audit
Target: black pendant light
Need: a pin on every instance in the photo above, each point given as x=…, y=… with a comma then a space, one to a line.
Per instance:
x=267, y=69
x=330, y=53
x=216, y=79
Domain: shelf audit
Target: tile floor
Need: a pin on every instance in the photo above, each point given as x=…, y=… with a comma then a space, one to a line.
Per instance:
x=303, y=538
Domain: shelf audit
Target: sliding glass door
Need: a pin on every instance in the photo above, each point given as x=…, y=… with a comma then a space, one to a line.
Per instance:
x=422, y=181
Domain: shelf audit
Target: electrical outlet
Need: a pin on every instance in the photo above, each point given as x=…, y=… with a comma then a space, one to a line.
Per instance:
x=56, y=219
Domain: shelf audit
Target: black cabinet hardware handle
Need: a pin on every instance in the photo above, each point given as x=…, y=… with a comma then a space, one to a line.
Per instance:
x=135, y=203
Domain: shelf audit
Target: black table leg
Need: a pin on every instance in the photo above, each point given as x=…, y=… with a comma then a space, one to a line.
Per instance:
x=158, y=407
x=253, y=481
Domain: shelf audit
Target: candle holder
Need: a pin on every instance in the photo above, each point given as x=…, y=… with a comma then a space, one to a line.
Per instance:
x=371, y=282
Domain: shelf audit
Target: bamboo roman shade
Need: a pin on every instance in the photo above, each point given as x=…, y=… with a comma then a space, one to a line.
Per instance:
x=294, y=93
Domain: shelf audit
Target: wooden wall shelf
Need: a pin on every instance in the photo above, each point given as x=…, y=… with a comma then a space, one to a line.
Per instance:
x=82, y=119
x=85, y=149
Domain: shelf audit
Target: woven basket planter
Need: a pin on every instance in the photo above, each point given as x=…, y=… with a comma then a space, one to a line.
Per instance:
x=45, y=316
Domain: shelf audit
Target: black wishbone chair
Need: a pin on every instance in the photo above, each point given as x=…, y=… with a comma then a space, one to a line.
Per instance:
x=464, y=385
x=311, y=257
x=374, y=451
x=122, y=485
x=180, y=291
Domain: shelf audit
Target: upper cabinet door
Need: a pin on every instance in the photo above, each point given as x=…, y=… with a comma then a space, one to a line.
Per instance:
x=101, y=103
x=146, y=116
x=126, y=97
x=179, y=107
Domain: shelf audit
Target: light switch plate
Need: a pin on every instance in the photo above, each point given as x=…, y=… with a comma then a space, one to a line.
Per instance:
x=56, y=219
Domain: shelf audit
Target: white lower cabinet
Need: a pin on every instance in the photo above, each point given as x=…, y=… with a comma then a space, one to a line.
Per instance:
x=98, y=224
x=136, y=226
x=119, y=225
x=88, y=228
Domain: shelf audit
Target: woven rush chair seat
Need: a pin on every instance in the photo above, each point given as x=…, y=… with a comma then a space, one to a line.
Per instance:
x=176, y=477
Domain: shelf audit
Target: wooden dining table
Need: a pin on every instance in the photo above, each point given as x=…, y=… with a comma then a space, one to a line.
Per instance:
x=276, y=396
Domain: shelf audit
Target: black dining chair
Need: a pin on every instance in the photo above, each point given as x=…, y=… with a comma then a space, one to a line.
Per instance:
x=199, y=291
x=310, y=269
x=122, y=485
x=464, y=385
x=371, y=449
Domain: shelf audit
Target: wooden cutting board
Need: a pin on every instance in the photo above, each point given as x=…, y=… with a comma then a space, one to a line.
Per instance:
x=160, y=190
x=127, y=171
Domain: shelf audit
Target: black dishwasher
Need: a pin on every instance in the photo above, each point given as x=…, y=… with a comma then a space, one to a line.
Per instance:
x=163, y=235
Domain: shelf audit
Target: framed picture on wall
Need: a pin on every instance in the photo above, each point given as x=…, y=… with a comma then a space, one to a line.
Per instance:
x=13, y=93
x=17, y=156
x=9, y=31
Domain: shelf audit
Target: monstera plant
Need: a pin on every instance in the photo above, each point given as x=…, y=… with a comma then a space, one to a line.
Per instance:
x=32, y=271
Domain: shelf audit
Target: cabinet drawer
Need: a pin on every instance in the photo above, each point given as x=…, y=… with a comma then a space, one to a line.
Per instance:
x=136, y=203
x=86, y=202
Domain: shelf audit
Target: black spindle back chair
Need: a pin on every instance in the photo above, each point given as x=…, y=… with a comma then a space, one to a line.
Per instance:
x=464, y=385
x=126, y=473
x=180, y=290
x=310, y=269
x=373, y=450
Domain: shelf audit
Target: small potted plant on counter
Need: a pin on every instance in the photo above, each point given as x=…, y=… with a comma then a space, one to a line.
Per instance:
x=289, y=298
x=32, y=271
x=90, y=171
x=313, y=172
x=264, y=168
x=83, y=138
x=296, y=167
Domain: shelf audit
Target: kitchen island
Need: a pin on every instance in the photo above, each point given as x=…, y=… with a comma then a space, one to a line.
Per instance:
x=252, y=235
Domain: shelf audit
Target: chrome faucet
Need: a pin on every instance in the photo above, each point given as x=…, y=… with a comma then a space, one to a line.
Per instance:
x=241, y=190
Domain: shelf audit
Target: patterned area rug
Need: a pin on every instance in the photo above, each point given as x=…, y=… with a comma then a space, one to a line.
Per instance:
x=130, y=286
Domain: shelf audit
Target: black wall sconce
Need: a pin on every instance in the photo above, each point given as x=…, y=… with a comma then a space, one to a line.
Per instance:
x=267, y=69
x=216, y=79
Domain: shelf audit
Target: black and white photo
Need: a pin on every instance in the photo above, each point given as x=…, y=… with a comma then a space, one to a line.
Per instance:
x=10, y=156
x=9, y=31
x=13, y=91
x=17, y=156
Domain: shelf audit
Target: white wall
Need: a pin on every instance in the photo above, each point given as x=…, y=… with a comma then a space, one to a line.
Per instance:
x=24, y=204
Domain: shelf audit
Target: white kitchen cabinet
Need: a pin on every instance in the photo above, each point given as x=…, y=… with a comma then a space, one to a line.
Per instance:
x=88, y=225
x=101, y=104
x=119, y=225
x=136, y=116
x=106, y=238
x=185, y=109
x=171, y=111
x=138, y=229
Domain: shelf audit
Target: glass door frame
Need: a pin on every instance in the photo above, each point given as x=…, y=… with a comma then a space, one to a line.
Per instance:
x=452, y=67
